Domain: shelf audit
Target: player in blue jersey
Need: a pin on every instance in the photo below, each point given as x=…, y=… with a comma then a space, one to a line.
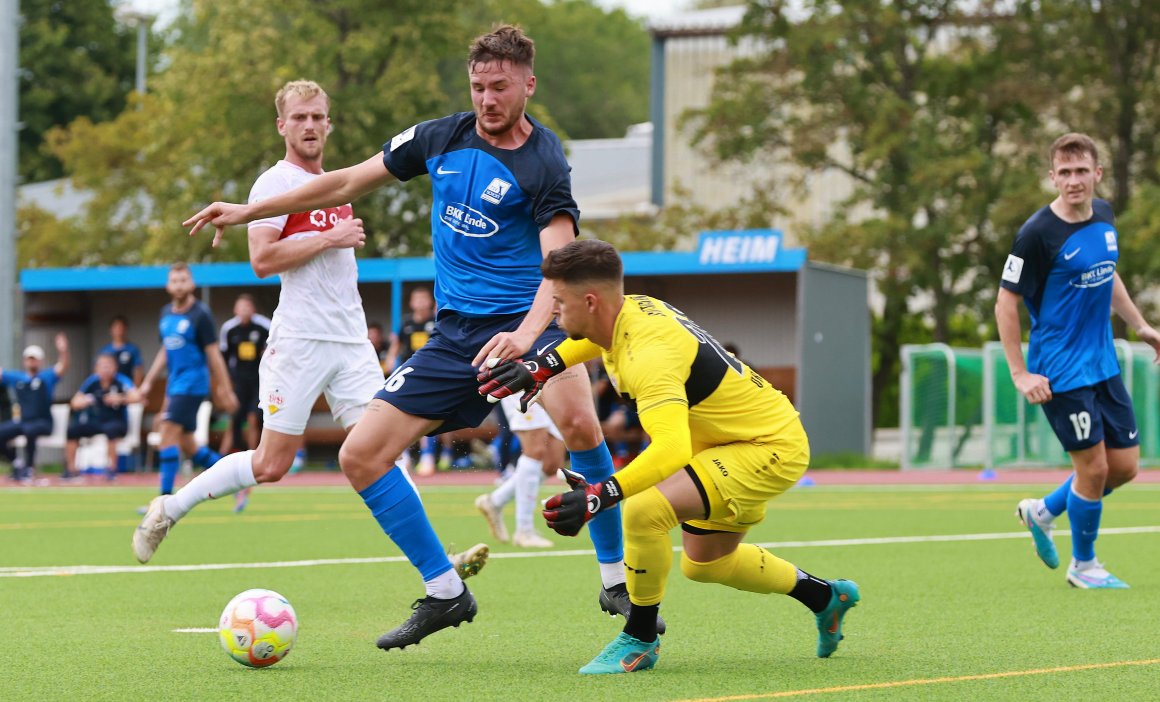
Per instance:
x=33, y=387
x=189, y=349
x=100, y=409
x=1063, y=266
x=125, y=352
x=502, y=200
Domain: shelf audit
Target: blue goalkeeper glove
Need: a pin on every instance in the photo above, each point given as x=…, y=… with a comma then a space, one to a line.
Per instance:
x=567, y=513
x=499, y=379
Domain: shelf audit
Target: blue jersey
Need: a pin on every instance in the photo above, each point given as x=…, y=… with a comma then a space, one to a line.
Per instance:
x=185, y=336
x=33, y=392
x=128, y=357
x=1065, y=273
x=99, y=411
x=488, y=208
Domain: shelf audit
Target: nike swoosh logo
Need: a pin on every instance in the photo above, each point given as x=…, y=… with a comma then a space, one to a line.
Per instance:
x=440, y=171
x=540, y=351
x=1069, y=256
x=1133, y=434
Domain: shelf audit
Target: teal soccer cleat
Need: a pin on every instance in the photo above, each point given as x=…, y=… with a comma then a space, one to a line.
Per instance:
x=624, y=655
x=1041, y=535
x=845, y=597
x=1094, y=577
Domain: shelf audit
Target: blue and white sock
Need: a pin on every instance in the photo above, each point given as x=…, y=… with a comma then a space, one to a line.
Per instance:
x=170, y=462
x=396, y=506
x=1084, y=515
x=1055, y=502
x=605, y=528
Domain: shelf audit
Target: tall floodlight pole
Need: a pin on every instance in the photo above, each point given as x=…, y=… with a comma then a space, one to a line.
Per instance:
x=143, y=20
x=10, y=333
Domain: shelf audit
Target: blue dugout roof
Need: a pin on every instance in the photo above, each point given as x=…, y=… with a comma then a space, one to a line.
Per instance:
x=744, y=251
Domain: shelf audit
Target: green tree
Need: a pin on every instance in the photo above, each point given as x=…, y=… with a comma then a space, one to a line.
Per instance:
x=927, y=110
x=75, y=60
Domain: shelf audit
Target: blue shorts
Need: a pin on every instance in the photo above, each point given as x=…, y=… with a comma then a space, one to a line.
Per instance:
x=1084, y=417
x=438, y=380
x=182, y=409
x=112, y=429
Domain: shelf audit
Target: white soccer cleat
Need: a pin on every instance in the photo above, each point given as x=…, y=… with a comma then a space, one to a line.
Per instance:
x=470, y=562
x=494, y=517
x=1094, y=577
x=152, y=530
x=530, y=539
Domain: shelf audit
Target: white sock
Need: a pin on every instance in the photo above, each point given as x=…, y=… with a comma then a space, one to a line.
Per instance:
x=229, y=475
x=1041, y=513
x=505, y=492
x=612, y=574
x=1084, y=565
x=527, y=480
x=445, y=586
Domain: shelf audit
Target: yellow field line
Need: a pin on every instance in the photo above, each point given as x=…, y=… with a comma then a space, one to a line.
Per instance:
x=922, y=681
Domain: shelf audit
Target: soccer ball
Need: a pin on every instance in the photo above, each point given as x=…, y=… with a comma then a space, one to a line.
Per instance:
x=258, y=628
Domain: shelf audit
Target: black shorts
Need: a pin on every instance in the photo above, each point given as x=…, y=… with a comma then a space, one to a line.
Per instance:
x=113, y=429
x=1084, y=417
x=438, y=381
x=246, y=389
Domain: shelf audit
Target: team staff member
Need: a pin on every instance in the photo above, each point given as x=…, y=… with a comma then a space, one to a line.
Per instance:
x=724, y=442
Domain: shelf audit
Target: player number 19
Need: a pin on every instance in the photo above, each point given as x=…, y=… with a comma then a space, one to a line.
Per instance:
x=1082, y=422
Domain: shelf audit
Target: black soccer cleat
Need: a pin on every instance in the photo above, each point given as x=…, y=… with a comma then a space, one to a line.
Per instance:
x=614, y=600
x=430, y=615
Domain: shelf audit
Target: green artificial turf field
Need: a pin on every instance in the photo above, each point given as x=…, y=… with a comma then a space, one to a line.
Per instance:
x=975, y=618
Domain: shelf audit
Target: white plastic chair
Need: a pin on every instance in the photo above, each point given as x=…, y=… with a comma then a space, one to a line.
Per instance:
x=55, y=440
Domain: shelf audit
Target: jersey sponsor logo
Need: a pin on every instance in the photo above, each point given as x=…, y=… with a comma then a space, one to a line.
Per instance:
x=403, y=137
x=1095, y=275
x=468, y=221
x=1013, y=269
x=496, y=190
x=441, y=171
x=174, y=342
x=1071, y=255
x=1110, y=238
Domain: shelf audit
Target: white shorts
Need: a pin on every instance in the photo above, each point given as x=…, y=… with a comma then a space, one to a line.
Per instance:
x=294, y=372
x=535, y=418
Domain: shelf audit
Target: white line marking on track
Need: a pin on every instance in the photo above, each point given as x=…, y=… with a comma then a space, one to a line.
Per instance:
x=196, y=630
x=43, y=571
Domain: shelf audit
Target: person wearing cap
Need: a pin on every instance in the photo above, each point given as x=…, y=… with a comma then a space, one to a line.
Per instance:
x=33, y=387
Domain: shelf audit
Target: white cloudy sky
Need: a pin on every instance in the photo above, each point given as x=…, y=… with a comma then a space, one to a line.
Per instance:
x=651, y=9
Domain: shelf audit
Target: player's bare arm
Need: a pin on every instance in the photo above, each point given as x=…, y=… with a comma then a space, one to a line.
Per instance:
x=155, y=370
x=1122, y=305
x=223, y=389
x=62, y=354
x=1036, y=388
x=509, y=345
x=327, y=190
x=271, y=255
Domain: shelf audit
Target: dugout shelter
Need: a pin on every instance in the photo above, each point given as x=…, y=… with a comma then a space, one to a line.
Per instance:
x=805, y=326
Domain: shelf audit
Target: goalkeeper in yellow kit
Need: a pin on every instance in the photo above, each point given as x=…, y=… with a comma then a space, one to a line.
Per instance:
x=723, y=443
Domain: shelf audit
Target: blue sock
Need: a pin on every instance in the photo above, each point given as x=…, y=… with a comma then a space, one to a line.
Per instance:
x=170, y=461
x=1084, y=515
x=396, y=507
x=206, y=457
x=1056, y=500
x=596, y=466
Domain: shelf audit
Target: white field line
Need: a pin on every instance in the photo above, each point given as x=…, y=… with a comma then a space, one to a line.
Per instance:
x=42, y=571
x=196, y=630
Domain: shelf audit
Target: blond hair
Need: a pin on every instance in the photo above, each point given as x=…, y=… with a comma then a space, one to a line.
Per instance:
x=304, y=89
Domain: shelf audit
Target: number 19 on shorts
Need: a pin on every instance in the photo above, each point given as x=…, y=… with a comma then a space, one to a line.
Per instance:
x=1082, y=423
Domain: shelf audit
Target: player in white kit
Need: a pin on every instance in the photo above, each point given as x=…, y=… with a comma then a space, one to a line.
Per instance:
x=318, y=338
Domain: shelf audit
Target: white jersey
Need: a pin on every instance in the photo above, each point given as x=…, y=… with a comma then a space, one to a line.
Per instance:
x=319, y=299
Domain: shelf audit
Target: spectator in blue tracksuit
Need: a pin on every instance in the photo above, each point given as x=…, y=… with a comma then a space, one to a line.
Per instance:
x=33, y=388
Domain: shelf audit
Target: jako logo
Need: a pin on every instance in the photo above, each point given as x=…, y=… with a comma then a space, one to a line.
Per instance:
x=468, y=221
x=1096, y=274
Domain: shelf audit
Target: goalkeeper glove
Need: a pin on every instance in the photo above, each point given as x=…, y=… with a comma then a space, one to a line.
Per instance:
x=568, y=512
x=500, y=379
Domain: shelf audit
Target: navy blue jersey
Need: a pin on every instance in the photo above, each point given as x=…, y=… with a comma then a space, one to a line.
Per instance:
x=185, y=336
x=99, y=411
x=33, y=392
x=488, y=208
x=1065, y=273
x=128, y=357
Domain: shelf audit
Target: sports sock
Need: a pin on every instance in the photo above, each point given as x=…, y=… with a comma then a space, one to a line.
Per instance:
x=642, y=622
x=812, y=591
x=504, y=492
x=595, y=465
x=444, y=586
x=648, y=552
x=1055, y=502
x=611, y=574
x=206, y=457
x=170, y=461
x=750, y=568
x=396, y=507
x=1084, y=515
x=527, y=480
x=229, y=475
